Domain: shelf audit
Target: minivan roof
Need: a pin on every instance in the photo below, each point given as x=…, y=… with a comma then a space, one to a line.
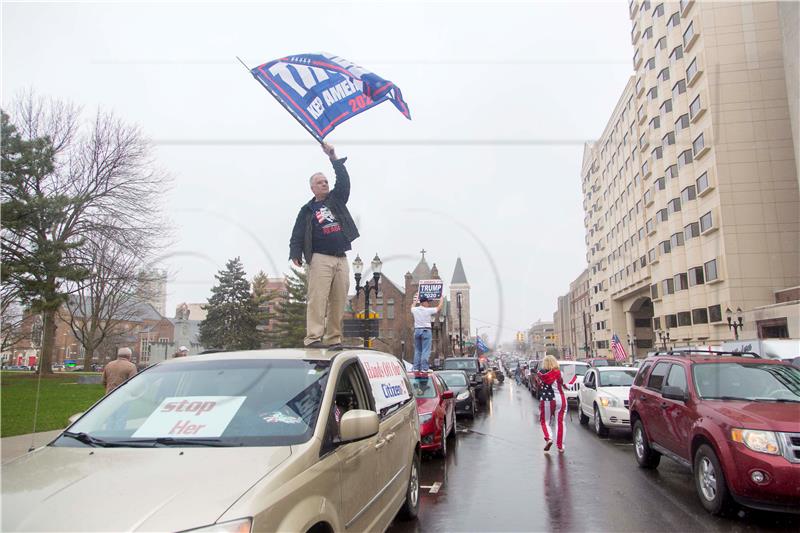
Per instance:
x=318, y=354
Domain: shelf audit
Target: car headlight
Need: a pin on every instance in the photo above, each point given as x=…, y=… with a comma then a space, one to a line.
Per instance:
x=242, y=525
x=605, y=402
x=425, y=417
x=757, y=440
x=463, y=395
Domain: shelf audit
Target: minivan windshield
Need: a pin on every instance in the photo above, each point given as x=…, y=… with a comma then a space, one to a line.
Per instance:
x=244, y=402
x=753, y=382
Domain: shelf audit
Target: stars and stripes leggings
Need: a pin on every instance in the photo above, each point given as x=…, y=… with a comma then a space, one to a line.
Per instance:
x=550, y=409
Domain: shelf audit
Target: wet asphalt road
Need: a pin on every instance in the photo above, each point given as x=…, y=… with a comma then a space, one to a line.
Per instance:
x=497, y=478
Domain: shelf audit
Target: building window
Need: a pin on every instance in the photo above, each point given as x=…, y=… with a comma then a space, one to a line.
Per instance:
x=647, y=33
x=656, y=323
x=674, y=205
x=685, y=158
x=674, y=20
x=678, y=88
x=691, y=231
x=661, y=184
x=661, y=44
x=666, y=106
x=698, y=144
x=676, y=54
x=655, y=123
x=651, y=226
x=694, y=107
x=390, y=308
x=646, y=168
x=658, y=11
x=651, y=254
x=651, y=63
x=676, y=240
x=669, y=138
x=657, y=153
x=702, y=182
x=664, y=248
x=648, y=197
x=682, y=123
x=700, y=316
x=696, y=276
x=715, y=313
x=671, y=321
x=689, y=33
x=643, y=141
x=661, y=215
x=654, y=292
x=684, y=318
x=692, y=70
x=711, y=270
x=602, y=345
x=706, y=222
x=688, y=194
x=681, y=281
x=663, y=75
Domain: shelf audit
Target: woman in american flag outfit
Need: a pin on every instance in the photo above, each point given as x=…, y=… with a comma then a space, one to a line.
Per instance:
x=552, y=402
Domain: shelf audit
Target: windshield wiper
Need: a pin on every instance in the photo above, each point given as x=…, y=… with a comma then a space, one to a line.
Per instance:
x=85, y=438
x=171, y=441
x=735, y=398
x=776, y=400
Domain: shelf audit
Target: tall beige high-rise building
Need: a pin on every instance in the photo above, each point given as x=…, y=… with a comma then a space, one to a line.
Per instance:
x=691, y=193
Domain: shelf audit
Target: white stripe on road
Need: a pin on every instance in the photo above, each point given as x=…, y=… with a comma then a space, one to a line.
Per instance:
x=435, y=488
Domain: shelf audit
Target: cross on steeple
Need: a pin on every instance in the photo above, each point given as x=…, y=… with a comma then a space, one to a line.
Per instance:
x=423, y=251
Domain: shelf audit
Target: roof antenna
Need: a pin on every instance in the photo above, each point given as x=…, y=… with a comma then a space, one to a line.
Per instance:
x=38, y=386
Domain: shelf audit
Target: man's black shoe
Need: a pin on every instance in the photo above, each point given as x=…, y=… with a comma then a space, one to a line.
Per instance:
x=337, y=346
x=316, y=344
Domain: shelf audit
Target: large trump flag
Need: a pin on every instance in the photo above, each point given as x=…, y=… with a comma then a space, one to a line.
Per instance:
x=323, y=90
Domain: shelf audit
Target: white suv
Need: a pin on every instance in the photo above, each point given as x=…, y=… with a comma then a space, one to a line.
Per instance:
x=604, y=398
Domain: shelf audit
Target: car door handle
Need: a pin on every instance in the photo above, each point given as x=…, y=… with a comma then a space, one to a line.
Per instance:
x=381, y=444
x=389, y=437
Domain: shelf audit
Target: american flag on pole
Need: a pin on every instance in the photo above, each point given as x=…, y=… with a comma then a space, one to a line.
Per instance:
x=618, y=349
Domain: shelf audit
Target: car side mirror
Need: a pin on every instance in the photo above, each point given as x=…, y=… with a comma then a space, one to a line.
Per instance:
x=447, y=395
x=74, y=417
x=674, y=393
x=358, y=424
x=589, y=385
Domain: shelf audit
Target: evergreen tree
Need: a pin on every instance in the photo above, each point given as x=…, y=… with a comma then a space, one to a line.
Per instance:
x=290, y=315
x=232, y=320
x=263, y=297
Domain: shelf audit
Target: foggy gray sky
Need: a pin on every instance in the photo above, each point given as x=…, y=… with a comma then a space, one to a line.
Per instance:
x=502, y=72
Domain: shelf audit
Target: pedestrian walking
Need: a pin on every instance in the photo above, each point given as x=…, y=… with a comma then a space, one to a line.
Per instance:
x=422, y=331
x=552, y=402
x=321, y=236
x=119, y=370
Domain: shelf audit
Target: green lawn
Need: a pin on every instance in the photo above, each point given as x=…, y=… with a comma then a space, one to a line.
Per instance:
x=60, y=397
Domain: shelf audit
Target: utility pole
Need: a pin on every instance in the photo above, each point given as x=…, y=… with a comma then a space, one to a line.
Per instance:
x=460, y=327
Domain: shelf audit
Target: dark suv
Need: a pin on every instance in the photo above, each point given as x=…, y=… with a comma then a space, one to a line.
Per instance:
x=480, y=382
x=733, y=419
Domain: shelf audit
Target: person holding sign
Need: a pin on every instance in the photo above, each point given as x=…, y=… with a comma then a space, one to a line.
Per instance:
x=322, y=235
x=422, y=331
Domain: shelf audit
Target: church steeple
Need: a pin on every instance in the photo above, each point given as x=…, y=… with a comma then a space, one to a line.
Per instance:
x=458, y=274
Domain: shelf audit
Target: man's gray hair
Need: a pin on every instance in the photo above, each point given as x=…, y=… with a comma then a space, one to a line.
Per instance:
x=311, y=179
x=124, y=352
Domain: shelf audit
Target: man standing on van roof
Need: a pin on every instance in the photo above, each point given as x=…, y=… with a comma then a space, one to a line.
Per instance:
x=422, y=331
x=322, y=234
x=119, y=371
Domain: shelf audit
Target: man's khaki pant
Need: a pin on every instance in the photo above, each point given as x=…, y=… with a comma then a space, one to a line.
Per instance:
x=328, y=283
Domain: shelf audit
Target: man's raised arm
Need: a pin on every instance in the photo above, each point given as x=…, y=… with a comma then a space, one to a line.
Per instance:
x=341, y=189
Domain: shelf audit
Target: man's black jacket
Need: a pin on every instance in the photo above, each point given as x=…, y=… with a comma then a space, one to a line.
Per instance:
x=303, y=231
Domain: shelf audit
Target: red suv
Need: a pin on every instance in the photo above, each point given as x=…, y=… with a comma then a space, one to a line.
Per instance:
x=734, y=420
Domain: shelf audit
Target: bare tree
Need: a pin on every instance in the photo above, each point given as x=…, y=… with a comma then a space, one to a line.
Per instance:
x=97, y=308
x=99, y=183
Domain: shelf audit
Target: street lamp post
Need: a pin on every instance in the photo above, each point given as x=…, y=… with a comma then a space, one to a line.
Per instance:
x=663, y=336
x=735, y=325
x=632, y=344
x=460, y=327
x=358, y=266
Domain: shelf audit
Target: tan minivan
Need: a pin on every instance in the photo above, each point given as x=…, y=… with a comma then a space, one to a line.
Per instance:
x=269, y=440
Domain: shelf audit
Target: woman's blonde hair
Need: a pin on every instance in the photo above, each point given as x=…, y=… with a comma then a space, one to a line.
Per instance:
x=549, y=362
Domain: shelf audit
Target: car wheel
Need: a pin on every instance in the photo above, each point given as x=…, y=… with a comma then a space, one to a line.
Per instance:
x=442, y=451
x=410, y=507
x=582, y=418
x=599, y=427
x=645, y=455
x=710, y=481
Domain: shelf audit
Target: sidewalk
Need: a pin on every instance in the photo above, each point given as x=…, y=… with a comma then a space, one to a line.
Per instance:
x=12, y=447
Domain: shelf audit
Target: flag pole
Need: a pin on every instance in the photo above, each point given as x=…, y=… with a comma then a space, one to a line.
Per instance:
x=269, y=90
